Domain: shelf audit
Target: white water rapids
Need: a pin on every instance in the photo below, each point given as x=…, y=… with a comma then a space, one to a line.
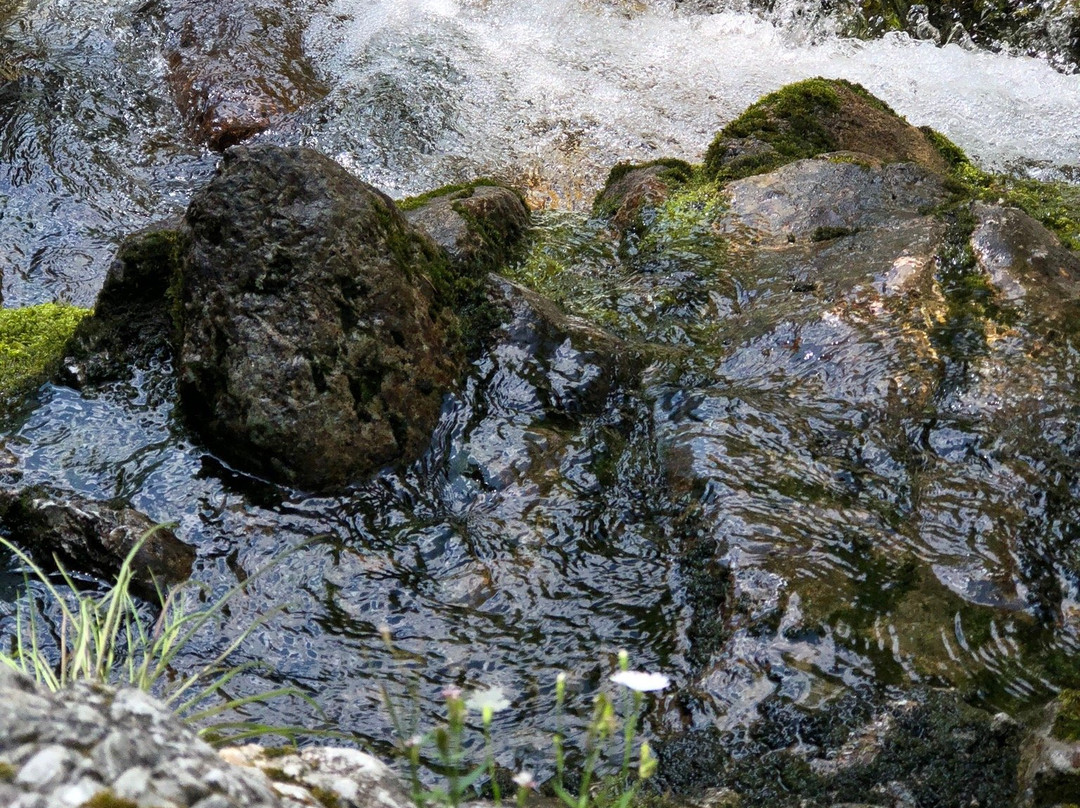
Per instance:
x=552, y=93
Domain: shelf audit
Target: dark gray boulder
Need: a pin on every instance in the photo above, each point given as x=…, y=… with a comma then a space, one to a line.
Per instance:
x=317, y=331
x=93, y=537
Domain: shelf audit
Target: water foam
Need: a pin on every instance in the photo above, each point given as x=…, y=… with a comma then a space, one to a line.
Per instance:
x=552, y=94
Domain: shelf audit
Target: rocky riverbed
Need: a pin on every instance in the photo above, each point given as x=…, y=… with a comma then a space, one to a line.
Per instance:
x=815, y=396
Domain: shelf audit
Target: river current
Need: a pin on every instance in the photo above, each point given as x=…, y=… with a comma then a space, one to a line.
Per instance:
x=517, y=547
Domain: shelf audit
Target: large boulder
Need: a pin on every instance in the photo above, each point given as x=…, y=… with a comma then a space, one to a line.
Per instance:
x=316, y=346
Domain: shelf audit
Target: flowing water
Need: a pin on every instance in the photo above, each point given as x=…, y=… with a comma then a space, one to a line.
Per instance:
x=541, y=533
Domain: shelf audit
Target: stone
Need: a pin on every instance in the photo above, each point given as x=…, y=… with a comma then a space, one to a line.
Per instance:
x=814, y=117
x=584, y=362
x=348, y=777
x=53, y=763
x=1025, y=261
x=318, y=338
x=480, y=226
x=93, y=537
x=1050, y=757
x=630, y=191
x=236, y=67
x=132, y=323
x=820, y=198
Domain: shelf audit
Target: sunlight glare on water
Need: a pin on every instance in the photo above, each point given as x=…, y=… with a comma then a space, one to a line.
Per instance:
x=552, y=94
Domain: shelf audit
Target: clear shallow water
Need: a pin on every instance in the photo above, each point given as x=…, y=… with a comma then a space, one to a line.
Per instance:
x=535, y=538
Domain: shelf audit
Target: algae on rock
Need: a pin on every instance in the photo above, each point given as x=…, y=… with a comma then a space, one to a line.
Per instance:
x=32, y=341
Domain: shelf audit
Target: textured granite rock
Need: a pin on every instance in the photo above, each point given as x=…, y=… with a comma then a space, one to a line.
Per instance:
x=93, y=745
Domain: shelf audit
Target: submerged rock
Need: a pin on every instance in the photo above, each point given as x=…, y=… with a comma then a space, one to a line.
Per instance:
x=926, y=749
x=93, y=537
x=315, y=345
x=235, y=67
x=1025, y=261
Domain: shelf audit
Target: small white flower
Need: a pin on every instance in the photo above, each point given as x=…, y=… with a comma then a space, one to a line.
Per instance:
x=641, y=681
x=490, y=698
x=524, y=779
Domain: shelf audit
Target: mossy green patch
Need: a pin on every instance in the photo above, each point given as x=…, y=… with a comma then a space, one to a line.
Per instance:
x=461, y=189
x=789, y=120
x=814, y=117
x=829, y=233
x=107, y=799
x=1067, y=721
x=1055, y=204
x=326, y=797
x=7, y=772
x=272, y=752
x=32, y=341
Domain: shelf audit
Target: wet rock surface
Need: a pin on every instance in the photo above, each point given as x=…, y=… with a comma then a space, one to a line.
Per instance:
x=828, y=197
x=797, y=442
x=93, y=745
x=133, y=323
x=631, y=191
x=314, y=350
x=93, y=537
x=480, y=227
x=236, y=67
x=928, y=749
x=1023, y=259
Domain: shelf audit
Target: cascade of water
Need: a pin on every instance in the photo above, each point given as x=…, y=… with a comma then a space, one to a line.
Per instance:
x=553, y=94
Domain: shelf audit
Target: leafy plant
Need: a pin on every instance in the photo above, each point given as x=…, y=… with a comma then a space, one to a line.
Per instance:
x=109, y=638
x=593, y=790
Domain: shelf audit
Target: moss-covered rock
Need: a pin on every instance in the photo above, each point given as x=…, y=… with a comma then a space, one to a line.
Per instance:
x=316, y=346
x=32, y=342
x=94, y=537
x=813, y=117
x=133, y=320
x=630, y=189
x=482, y=227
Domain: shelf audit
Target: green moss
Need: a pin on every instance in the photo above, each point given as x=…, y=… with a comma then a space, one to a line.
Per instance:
x=107, y=799
x=1067, y=721
x=789, y=120
x=458, y=190
x=32, y=341
x=272, y=752
x=1055, y=204
x=7, y=772
x=326, y=797
x=829, y=233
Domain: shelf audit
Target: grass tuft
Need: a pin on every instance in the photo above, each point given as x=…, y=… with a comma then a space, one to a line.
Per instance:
x=109, y=638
